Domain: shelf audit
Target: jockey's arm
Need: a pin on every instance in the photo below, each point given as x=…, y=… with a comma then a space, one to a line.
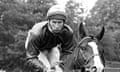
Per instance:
x=68, y=45
x=67, y=48
x=32, y=51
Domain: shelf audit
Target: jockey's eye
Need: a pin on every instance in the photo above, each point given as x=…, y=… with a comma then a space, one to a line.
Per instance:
x=54, y=22
x=60, y=22
x=84, y=44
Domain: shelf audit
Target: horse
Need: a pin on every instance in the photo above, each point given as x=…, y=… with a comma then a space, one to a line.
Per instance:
x=86, y=56
x=89, y=49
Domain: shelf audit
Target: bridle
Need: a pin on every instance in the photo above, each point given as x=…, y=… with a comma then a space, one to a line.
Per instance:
x=92, y=56
x=87, y=37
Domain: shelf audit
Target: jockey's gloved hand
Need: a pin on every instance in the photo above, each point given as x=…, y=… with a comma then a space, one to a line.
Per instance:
x=36, y=64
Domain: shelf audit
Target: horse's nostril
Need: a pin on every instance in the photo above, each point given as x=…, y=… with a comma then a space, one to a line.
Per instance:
x=94, y=69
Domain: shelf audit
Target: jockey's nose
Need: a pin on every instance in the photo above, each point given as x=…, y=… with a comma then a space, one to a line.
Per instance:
x=56, y=25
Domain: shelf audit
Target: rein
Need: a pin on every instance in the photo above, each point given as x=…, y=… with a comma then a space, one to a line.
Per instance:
x=83, y=40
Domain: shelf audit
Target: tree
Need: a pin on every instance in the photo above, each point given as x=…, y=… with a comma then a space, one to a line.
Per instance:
x=74, y=11
x=16, y=18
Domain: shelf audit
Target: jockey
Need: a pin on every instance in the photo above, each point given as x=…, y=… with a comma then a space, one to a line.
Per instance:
x=50, y=40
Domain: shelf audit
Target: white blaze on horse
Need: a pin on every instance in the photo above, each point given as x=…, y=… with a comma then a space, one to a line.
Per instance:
x=90, y=51
x=97, y=60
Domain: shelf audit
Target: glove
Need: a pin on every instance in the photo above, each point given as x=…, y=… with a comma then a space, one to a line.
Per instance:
x=37, y=65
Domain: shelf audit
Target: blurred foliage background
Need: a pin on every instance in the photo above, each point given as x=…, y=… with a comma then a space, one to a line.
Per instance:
x=18, y=16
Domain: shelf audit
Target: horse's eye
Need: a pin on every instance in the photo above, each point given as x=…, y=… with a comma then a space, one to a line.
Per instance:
x=83, y=48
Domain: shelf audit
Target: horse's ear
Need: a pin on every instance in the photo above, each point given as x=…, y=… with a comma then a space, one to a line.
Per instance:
x=101, y=34
x=82, y=31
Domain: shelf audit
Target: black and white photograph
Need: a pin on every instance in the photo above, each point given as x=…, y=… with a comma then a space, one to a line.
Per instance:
x=59, y=35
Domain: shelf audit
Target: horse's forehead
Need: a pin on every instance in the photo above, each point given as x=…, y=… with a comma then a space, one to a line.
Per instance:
x=94, y=47
x=92, y=44
x=85, y=42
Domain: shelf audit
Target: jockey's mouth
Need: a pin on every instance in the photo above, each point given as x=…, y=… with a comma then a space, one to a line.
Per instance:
x=56, y=31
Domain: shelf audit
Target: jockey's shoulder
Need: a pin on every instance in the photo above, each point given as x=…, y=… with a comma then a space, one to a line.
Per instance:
x=68, y=28
x=36, y=29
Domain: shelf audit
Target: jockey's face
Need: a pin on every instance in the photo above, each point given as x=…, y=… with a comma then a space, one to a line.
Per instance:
x=56, y=25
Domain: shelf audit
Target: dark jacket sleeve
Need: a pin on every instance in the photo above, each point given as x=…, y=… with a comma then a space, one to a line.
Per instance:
x=68, y=42
x=33, y=40
x=68, y=45
x=32, y=50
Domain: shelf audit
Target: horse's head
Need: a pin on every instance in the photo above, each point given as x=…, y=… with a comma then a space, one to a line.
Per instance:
x=89, y=48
